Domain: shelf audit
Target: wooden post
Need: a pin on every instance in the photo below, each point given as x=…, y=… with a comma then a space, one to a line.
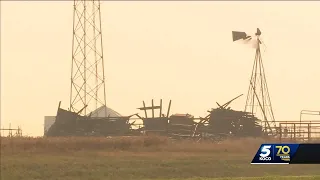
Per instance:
x=145, y=110
x=169, y=109
x=152, y=108
x=309, y=133
x=160, y=108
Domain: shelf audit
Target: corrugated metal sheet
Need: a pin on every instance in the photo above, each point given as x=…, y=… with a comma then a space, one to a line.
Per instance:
x=48, y=121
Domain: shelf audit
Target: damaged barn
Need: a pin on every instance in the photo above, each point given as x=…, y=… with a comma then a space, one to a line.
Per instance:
x=69, y=123
x=220, y=123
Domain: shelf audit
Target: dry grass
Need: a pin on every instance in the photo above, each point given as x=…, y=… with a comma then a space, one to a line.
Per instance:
x=135, y=158
x=147, y=143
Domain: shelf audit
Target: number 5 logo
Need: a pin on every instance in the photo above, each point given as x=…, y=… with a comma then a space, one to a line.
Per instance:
x=265, y=151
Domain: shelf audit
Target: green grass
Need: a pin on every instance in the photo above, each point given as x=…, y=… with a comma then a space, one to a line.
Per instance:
x=43, y=160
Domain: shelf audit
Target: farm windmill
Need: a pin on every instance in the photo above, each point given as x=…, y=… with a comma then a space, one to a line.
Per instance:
x=258, y=98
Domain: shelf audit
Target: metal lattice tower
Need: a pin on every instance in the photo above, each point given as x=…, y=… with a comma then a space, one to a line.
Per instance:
x=87, y=71
x=258, y=99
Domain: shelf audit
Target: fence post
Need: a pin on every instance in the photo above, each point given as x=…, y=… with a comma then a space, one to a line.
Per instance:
x=294, y=132
x=280, y=132
x=309, y=133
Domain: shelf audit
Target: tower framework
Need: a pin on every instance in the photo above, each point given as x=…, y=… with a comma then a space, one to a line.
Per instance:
x=258, y=99
x=87, y=69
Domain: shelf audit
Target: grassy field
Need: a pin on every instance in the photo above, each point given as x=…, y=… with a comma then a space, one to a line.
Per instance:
x=139, y=158
x=258, y=178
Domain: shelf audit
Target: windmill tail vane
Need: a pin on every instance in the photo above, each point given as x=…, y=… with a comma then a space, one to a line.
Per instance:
x=242, y=37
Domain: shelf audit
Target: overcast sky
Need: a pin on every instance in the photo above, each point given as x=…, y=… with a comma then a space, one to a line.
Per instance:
x=181, y=51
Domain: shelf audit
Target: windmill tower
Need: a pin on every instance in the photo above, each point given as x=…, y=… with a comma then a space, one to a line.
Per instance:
x=258, y=99
x=87, y=71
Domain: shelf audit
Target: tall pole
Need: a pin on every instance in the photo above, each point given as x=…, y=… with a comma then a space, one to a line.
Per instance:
x=258, y=99
x=87, y=67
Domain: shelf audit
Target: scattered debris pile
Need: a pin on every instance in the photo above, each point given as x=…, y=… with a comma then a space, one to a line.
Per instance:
x=235, y=123
x=181, y=126
x=220, y=123
x=223, y=122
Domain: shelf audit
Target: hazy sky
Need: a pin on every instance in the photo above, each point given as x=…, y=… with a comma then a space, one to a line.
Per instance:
x=171, y=50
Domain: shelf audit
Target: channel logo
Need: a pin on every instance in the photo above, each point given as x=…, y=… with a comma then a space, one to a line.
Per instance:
x=275, y=154
x=265, y=153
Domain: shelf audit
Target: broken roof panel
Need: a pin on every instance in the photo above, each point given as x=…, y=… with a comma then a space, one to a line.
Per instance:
x=100, y=112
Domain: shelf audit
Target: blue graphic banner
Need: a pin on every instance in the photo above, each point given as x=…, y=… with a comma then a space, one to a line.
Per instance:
x=287, y=154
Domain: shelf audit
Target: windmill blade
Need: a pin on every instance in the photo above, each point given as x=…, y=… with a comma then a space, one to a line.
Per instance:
x=250, y=42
